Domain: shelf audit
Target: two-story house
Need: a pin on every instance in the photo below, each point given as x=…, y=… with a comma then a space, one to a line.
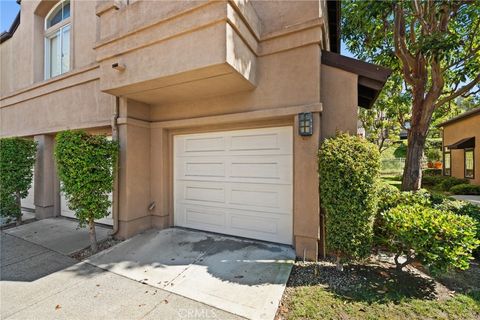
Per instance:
x=219, y=107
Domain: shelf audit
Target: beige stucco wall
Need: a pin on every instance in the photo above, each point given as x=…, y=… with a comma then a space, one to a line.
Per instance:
x=27, y=44
x=189, y=67
x=461, y=129
x=339, y=95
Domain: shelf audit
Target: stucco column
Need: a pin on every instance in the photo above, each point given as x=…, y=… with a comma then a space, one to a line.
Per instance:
x=134, y=174
x=46, y=182
x=306, y=211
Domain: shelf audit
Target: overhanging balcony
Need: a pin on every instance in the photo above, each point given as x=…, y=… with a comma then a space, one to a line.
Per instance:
x=185, y=52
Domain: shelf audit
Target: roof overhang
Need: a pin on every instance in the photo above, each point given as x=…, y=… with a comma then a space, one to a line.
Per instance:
x=371, y=77
x=333, y=11
x=461, y=116
x=4, y=36
x=463, y=144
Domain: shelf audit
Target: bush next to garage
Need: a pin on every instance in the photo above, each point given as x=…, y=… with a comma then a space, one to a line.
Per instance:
x=349, y=168
x=86, y=166
x=439, y=239
x=17, y=158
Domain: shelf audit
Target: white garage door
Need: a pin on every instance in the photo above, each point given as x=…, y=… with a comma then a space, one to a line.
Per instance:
x=66, y=212
x=236, y=182
x=27, y=202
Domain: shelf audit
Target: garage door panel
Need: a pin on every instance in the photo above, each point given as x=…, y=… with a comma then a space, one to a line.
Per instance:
x=254, y=224
x=205, y=194
x=267, y=141
x=255, y=142
x=244, y=190
x=195, y=168
x=204, y=217
x=249, y=224
x=257, y=169
x=248, y=196
x=203, y=144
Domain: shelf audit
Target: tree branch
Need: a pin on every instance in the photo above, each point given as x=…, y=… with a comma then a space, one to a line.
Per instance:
x=401, y=51
x=459, y=92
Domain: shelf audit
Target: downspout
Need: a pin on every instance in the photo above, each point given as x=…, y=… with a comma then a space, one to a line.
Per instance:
x=115, y=137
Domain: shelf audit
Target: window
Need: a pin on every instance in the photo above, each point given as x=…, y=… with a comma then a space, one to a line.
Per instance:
x=447, y=162
x=469, y=163
x=57, y=40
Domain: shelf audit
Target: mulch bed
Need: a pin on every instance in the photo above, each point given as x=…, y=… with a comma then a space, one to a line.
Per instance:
x=374, y=281
x=102, y=245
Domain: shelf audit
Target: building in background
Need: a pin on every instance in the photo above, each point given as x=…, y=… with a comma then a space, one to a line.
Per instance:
x=461, y=158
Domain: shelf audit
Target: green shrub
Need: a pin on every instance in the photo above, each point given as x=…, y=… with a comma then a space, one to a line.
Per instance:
x=86, y=165
x=349, y=168
x=432, y=172
x=465, y=189
x=390, y=197
x=439, y=239
x=17, y=158
x=448, y=182
x=463, y=208
x=434, y=154
x=401, y=150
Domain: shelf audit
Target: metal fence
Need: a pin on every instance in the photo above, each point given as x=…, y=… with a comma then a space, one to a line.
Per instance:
x=392, y=166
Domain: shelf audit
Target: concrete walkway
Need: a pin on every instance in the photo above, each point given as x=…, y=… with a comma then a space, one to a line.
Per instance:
x=43, y=284
x=169, y=274
x=61, y=235
x=471, y=199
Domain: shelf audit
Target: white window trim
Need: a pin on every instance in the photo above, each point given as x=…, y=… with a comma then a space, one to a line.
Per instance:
x=49, y=33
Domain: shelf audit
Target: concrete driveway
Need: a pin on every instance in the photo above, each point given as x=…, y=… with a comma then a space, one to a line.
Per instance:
x=243, y=277
x=169, y=274
x=471, y=199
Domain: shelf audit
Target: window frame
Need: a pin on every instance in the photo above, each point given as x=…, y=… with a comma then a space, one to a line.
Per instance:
x=447, y=151
x=465, y=163
x=57, y=29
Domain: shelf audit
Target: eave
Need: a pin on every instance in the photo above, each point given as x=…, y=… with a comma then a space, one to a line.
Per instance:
x=371, y=77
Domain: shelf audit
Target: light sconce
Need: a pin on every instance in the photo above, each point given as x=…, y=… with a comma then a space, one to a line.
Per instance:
x=305, y=124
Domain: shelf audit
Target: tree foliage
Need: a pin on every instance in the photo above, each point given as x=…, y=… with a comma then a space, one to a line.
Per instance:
x=86, y=165
x=349, y=168
x=17, y=159
x=432, y=46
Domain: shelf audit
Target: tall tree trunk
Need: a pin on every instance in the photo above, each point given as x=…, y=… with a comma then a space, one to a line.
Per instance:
x=19, y=205
x=412, y=174
x=92, y=235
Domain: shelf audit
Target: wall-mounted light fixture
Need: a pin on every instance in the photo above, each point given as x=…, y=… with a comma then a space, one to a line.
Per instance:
x=305, y=124
x=118, y=66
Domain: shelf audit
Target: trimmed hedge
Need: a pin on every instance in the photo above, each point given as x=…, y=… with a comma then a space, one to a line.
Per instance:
x=469, y=189
x=390, y=197
x=432, y=181
x=432, y=172
x=17, y=158
x=349, y=168
x=440, y=240
x=449, y=182
x=86, y=165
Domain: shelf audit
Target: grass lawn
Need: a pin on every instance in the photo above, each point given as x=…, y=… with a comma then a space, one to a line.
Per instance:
x=394, y=180
x=375, y=290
